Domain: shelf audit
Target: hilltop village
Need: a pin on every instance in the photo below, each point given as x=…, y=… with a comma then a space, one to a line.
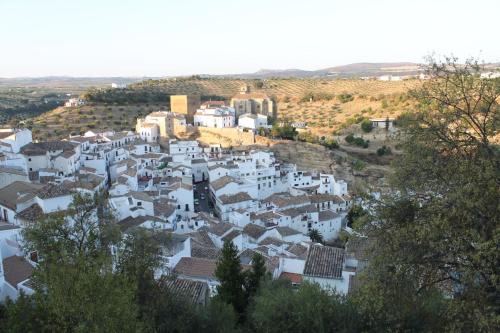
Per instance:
x=198, y=196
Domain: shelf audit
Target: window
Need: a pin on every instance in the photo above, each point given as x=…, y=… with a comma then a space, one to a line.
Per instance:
x=139, y=203
x=29, y=159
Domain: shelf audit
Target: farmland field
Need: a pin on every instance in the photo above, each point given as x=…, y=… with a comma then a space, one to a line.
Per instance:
x=324, y=104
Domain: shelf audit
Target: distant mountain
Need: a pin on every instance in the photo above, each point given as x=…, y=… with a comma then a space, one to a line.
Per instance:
x=351, y=70
x=65, y=81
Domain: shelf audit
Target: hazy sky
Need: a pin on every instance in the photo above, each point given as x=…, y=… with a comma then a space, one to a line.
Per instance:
x=180, y=37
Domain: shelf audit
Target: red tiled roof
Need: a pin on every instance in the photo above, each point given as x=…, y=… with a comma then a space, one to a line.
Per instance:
x=251, y=96
x=293, y=277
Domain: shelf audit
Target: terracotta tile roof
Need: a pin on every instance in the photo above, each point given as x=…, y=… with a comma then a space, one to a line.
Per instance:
x=194, y=291
x=359, y=247
x=266, y=216
x=198, y=251
x=32, y=213
x=221, y=182
x=131, y=222
x=220, y=228
x=319, y=198
x=214, y=103
x=285, y=200
x=298, y=250
x=324, y=262
x=254, y=95
x=231, y=235
x=238, y=197
x=287, y=231
x=201, y=238
x=254, y=230
x=272, y=241
x=41, y=148
x=11, y=194
x=196, y=267
x=140, y=196
x=163, y=207
x=16, y=270
x=327, y=215
x=55, y=190
x=293, y=277
x=14, y=171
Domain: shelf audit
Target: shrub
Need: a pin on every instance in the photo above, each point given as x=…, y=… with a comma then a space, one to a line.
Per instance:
x=366, y=126
x=351, y=139
x=384, y=151
x=344, y=98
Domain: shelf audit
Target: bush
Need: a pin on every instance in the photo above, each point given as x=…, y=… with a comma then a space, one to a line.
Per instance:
x=331, y=144
x=366, y=126
x=307, y=137
x=384, y=151
x=344, y=98
x=351, y=139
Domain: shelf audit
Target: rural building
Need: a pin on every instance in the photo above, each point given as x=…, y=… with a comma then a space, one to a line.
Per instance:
x=252, y=121
x=386, y=123
x=252, y=102
x=215, y=117
x=185, y=104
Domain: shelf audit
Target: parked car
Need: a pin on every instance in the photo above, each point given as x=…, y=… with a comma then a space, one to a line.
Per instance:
x=203, y=197
x=196, y=201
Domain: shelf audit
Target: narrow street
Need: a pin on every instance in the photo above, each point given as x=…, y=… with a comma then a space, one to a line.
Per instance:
x=201, y=194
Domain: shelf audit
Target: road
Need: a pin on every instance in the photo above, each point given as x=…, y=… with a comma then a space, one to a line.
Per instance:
x=199, y=190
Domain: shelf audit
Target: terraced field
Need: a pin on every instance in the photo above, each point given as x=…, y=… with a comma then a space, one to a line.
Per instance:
x=334, y=103
x=63, y=121
x=279, y=88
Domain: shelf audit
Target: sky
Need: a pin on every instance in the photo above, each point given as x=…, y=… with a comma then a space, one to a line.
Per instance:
x=184, y=37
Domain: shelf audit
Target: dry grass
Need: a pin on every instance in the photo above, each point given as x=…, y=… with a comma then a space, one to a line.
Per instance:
x=63, y=121
x=322, y=116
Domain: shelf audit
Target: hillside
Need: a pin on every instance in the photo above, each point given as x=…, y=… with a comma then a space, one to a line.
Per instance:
x=325, y=104
x=344, y=71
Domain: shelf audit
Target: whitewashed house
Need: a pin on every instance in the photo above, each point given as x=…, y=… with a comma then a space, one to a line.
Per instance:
x=325, y=265
x=218, y=117
x=252, y=121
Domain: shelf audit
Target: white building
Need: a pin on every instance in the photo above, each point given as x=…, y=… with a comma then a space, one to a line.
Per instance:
x=184, y=150
x=252, y=121
x=149, y=132
x=15, y=267
x=325, y=265
x=167, y=123
x=12, y=140
x=220, y=117
x=386, y=123
x=74, y=102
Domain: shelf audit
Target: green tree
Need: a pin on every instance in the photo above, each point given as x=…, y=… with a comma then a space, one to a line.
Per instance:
x=315, y=236
x=76, y=288
x=255, y=275
x=356, y=212
x=366, y=126
x=231, y=277
x=438, y=232
x=280, y=308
